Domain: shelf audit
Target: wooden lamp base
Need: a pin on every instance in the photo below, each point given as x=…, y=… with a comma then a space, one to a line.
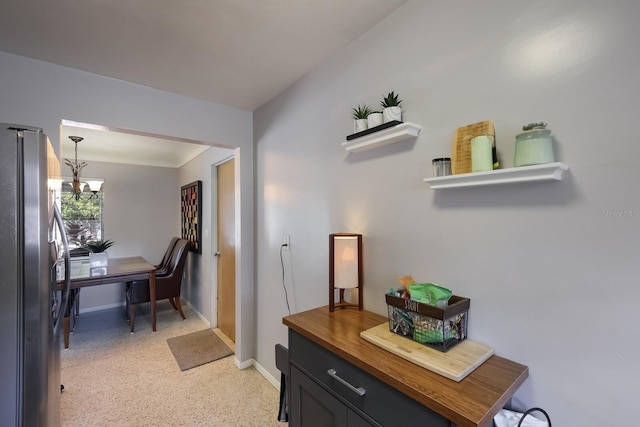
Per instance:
x=342, y=303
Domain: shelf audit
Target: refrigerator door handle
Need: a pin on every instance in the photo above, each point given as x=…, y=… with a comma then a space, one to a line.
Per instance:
x=57, y=217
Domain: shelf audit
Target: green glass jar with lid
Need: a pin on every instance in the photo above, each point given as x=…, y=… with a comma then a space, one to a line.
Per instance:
x=534, y=146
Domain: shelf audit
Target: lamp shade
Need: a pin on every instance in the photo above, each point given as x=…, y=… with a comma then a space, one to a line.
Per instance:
x=345, y=268
x=94, y=185
x=345, y=262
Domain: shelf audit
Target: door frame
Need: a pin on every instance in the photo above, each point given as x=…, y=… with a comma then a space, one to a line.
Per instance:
x=213, y=224
x=245, y=229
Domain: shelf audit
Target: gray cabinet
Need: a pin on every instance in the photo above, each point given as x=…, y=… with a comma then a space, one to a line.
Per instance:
x=343, y=380
x=327, y=390
x=318, y=407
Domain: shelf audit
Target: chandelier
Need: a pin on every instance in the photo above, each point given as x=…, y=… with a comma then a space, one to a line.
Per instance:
x=76, y=168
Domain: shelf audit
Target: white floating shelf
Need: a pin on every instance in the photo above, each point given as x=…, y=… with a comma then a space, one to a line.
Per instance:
x=545, y=172
x=398, y=133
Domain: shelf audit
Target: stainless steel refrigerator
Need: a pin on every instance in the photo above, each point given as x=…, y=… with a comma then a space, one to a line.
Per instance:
x=32, y=305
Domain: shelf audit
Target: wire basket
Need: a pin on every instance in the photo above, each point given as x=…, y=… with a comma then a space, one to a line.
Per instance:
x=439, y=328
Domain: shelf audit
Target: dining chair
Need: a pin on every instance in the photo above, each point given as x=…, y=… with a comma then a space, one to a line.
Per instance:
x=167, y=286
x=163, y=267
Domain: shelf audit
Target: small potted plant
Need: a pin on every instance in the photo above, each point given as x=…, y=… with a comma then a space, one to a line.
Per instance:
x=534, y=146
x=375, y=118
x=97, y=252
x=391, y=108
x=360, y=114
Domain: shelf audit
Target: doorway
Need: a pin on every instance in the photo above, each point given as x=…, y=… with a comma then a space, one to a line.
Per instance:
x=128, y=148
x=226, y=248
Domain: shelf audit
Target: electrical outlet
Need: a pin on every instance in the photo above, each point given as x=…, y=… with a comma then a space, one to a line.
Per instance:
x=285, y=242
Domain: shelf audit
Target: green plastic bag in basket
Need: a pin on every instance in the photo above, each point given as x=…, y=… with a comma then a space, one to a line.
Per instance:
x=428, y=293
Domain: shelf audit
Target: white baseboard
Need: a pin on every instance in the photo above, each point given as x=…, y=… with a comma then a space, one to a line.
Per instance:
x=193, y=309
x=252, y=362
x=274, y=382
x=243, y=365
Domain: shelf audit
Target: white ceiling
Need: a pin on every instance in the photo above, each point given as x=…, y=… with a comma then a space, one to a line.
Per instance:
x=122, y=146
x=239, y=53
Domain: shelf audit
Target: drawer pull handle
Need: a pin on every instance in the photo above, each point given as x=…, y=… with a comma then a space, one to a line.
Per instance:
x=357, y=390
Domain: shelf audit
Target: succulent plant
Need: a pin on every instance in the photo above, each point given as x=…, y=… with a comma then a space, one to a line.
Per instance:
x=391, y=100
x=539, y=125
x=361, y=112
x=98, y=246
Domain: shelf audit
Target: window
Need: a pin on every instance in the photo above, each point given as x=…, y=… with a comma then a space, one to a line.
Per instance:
x=82, y=216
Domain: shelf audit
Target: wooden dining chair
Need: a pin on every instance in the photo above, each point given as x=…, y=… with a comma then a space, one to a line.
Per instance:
x=167, y=286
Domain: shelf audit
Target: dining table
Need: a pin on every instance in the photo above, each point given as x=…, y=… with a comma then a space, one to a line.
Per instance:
x=118, y=270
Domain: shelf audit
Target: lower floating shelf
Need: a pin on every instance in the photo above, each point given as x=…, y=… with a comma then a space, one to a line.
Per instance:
x=545, y=172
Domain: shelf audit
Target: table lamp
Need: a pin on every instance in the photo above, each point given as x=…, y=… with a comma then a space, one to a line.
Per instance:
x=345, y=269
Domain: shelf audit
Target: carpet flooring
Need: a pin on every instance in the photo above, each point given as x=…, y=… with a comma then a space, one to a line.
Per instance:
x=115, y=378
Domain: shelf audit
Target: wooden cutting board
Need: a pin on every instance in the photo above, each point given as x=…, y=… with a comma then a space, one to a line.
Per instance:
x=461, y=150
x=455, y=364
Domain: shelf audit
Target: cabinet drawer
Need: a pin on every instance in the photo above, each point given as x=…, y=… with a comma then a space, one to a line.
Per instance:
x=312, y=405
x=380, y=401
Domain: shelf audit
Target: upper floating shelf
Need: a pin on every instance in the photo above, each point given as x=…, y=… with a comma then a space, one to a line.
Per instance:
x=398, y=133
x=545, y=172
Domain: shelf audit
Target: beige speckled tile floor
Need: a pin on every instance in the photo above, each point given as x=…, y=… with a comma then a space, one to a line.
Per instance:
x=114, y=378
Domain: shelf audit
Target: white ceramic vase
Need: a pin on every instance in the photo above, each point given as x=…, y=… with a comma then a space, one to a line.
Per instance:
x=392, y=113
x=100, y=259
x=359, y=125
x=374, y=119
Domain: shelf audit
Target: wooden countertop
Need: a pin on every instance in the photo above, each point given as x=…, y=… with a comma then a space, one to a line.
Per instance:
x=472, y=402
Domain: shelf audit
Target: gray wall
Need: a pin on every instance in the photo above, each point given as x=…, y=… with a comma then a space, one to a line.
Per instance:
x=551, y=268
x=141, y=214
x=200, y=287
x=40, y=94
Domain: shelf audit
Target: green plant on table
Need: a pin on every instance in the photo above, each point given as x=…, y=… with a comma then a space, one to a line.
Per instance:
x=361, y=112
x=98, y=246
